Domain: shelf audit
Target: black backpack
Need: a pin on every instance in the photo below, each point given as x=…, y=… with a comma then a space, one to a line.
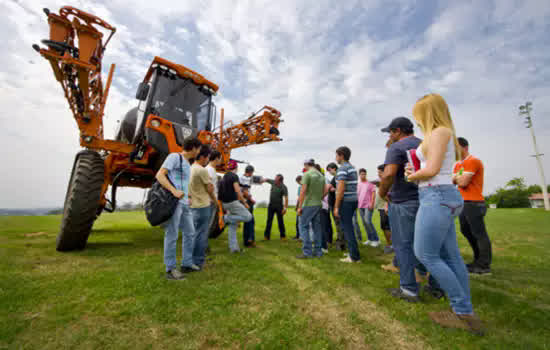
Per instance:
x=160, y=203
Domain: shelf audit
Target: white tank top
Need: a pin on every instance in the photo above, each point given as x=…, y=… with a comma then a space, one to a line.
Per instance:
x=445, y=175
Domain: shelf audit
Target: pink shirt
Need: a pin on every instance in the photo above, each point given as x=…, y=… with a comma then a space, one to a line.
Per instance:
x=364, y=193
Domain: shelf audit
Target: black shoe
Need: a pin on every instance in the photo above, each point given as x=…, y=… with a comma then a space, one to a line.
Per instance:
x=189, y=269
x=470, y=265
x=479, y=271
x=398, y=293
x=302, y=256
x=434, y=292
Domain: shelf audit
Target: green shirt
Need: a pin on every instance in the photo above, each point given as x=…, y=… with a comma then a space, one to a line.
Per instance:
x=315, y=182
x=277, y=193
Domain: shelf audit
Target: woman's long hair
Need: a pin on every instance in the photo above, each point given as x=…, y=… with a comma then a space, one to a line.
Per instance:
x=431, y=112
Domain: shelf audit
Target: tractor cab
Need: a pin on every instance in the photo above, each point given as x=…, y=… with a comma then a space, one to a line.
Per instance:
x=173, y=93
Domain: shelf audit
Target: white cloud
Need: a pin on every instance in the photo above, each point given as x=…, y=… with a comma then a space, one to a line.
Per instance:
x=336, y=79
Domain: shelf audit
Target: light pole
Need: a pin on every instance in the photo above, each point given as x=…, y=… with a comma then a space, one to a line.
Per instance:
x=526, y=110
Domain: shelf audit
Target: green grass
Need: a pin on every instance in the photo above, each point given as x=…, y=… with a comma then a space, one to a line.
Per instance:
x=114, y=295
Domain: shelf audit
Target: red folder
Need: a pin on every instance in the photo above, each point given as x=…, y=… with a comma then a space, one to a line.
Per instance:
x=413, y=159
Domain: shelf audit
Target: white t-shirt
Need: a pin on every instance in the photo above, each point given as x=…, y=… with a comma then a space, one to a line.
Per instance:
x=213, y=177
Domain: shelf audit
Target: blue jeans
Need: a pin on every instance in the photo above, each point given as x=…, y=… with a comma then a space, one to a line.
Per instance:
x=181, y=220
x=347, y=211
x=311, y=215
x=201, y=221
x=248, y=231
x=436, y=246
x=402, y=219
x=356, y=227
x=366, y=217
x=236, y=212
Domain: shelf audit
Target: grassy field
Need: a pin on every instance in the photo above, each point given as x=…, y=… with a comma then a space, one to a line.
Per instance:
x=114, y=295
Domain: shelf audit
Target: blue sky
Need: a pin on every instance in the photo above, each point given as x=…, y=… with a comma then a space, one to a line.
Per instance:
x=337, y=71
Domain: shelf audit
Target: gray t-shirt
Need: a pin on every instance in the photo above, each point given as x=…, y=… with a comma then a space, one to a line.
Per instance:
x=402, y=190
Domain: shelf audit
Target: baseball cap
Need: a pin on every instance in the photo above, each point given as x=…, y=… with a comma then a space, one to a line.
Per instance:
x=402, y=123
x=231, y=165
x=309, y=161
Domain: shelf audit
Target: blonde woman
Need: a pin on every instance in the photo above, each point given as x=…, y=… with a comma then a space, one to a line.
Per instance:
x=435, y=242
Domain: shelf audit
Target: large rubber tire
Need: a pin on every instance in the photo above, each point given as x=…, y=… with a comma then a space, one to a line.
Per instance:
x=82, y=201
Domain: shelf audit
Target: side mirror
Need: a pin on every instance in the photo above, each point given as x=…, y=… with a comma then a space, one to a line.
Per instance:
x=142, y=91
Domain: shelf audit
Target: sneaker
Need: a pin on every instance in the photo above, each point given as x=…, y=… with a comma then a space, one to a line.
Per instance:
x=390, y=268
x=346, y=255
x=479, y=271
x=434, y=292
x=189, y=269
x=374, y=244
x=388, y=249
x=174, y=275
x=367, y=242
x=399, y=293
x=325, y=251
x=251, y=244
x=475, y=325
x=283, y=239
x=349, y=260
x=302, y=256
x=449, y=319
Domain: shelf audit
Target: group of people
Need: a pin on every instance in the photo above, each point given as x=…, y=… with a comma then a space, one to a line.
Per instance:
x=423, y=186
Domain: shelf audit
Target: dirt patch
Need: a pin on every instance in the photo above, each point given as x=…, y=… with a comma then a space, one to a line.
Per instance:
x=35, y=234
x=334, y=313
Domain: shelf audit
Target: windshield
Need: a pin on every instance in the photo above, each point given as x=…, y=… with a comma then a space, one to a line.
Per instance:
x=181, y=101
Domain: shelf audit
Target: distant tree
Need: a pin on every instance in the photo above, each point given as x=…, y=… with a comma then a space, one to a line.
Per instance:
x=126, y=206
x=514, y=195
x=261, y=204
x=55, y=211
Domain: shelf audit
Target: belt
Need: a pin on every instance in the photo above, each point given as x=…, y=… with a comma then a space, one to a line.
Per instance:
x=474, y=201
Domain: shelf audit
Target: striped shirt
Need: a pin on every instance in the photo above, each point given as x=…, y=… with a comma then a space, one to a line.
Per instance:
x=346, y=172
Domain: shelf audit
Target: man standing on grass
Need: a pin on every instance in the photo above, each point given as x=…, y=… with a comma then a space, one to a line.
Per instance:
x=366, y=192
x=277, y=196
x=248, y=227
x=332, y=168
x=215, y=160
x=468, y=175
x=174, y=175
x=403, y=206
x=299, y=182
x=201, y=190
x=346, y=201
x=234, y=203
x=309, y=204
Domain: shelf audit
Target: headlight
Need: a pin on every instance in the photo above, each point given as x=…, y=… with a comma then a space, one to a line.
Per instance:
x=186, y=132
x=155, y=123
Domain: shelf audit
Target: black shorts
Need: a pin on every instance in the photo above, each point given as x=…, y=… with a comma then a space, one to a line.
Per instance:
x=384, y=220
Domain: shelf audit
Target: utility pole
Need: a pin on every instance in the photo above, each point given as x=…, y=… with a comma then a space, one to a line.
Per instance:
x=526, y=110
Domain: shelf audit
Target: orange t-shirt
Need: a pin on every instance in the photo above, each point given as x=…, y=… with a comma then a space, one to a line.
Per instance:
x=474, y=190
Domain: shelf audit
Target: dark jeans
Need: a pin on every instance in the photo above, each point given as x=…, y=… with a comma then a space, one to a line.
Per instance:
x=326, y=225
x=297, y=226
x=472, y=225
x=270, y=212
x=402, y=220
x=340, y=234
x=347, y=210
x=248, y=230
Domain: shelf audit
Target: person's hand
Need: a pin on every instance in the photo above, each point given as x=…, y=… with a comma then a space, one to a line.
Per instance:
x=299, y=211
x=178, y=194
x=284, y=211
x=336, y=214
x=246, y=206
x=408, y=170
x=252, y=201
